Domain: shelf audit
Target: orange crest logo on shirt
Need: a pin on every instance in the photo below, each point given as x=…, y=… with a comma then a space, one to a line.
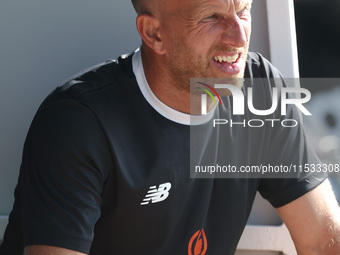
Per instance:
x=198, y=243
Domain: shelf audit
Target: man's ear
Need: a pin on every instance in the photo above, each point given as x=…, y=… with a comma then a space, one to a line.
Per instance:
x=149, y=30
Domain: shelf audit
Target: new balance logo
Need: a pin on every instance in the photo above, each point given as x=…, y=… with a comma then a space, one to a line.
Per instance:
x=155, y=195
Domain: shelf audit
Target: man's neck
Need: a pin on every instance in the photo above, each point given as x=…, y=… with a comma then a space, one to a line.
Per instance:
x=161, y=84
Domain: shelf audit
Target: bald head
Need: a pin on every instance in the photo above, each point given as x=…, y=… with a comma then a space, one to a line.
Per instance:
x=135, y=3
x=146, y=6
x=142, y=6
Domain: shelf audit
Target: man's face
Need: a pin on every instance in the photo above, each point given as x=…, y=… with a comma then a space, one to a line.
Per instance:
x=205, y=38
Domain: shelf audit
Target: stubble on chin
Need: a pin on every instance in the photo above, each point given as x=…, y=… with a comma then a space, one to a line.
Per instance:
x=184, y=65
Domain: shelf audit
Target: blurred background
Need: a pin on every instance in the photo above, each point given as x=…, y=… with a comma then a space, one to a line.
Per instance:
x=318, y=37
x=318, y=40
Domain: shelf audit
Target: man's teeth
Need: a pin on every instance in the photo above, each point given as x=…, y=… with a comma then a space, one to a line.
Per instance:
x=229, y=59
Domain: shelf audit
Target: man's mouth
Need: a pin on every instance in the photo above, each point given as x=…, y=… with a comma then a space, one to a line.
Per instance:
x=229, y=64
x=226, y=59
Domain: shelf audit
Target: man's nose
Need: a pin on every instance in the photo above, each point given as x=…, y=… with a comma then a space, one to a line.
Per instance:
x=235, y=33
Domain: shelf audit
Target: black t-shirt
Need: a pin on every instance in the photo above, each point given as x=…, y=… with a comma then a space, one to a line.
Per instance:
x=104, y=173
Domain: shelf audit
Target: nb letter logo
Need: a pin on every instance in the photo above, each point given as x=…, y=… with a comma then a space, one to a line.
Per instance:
x=155, y=195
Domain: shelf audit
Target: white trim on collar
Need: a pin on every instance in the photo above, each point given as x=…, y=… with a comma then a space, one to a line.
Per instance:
x=158, y=105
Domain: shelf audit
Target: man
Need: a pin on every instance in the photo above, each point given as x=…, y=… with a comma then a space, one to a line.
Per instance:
x=106, y=162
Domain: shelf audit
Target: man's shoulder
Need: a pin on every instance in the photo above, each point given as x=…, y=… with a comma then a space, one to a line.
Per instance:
x=107, y=75
x=259, y=67
x=257, y=59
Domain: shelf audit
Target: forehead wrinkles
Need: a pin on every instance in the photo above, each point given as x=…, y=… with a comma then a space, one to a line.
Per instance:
x=235, y=5
x=226, y=6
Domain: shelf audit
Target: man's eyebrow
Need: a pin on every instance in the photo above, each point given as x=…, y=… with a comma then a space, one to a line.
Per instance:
x=204, y=9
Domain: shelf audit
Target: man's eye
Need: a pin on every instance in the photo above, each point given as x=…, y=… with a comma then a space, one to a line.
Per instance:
x=210, y=18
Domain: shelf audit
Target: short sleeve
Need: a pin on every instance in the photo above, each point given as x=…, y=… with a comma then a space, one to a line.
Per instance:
x=290, y=147
x=65, y=164
x=292, y=150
